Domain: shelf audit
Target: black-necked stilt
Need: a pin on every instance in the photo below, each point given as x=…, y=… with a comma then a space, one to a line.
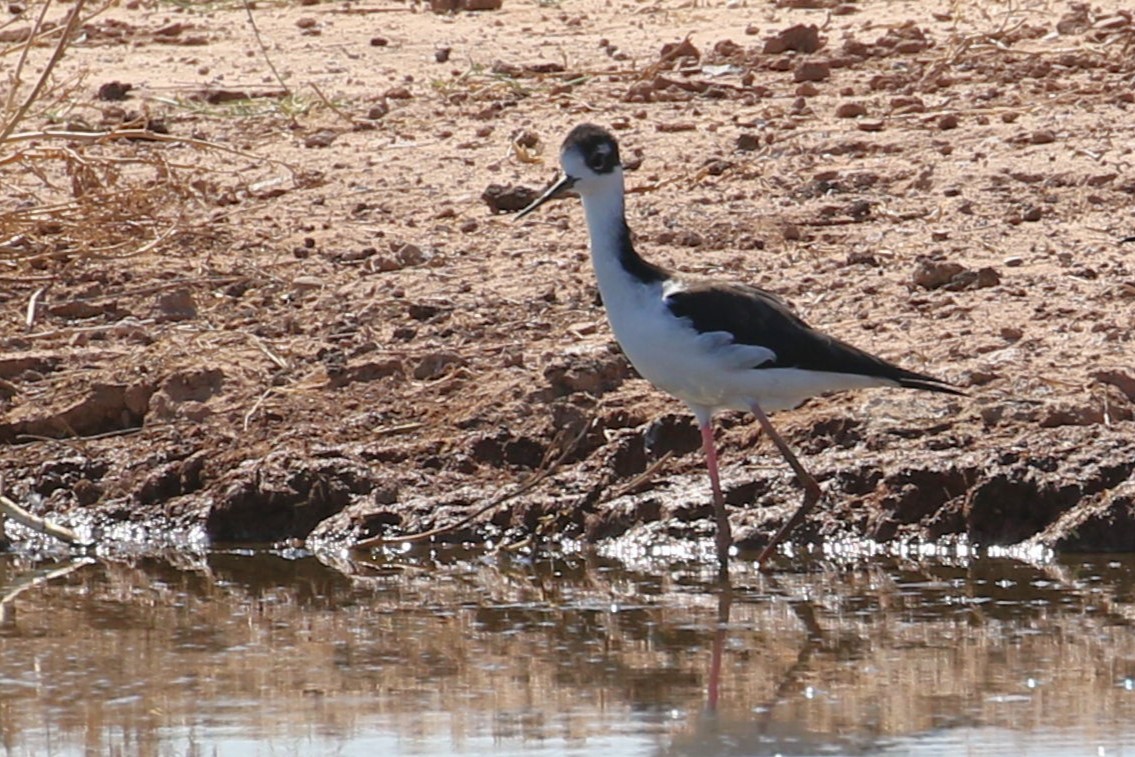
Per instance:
x=716, y=346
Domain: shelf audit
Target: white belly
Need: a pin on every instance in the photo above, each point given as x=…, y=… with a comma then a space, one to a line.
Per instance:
x=708, y=371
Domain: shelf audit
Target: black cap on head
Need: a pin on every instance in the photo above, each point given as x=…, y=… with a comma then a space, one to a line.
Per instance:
x=598, y=147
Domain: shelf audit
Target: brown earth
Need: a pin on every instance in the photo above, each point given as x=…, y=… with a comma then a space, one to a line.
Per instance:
x=255, y=280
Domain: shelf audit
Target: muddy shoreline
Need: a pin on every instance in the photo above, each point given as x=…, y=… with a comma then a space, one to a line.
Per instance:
x=329, y=332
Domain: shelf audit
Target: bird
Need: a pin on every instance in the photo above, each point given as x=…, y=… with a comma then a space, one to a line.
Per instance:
x=714, y=345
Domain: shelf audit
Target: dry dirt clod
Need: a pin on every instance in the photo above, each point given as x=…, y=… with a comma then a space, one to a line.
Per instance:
x=508, y=199
x=801, y=38
x=177, y=305
x=850, y=110
x=812, y=70
x=113, y=91
x=321, y=138
x=673, y=51
x=748, y=142
x=933, y=274
x=371, y=370
x=1121, y=378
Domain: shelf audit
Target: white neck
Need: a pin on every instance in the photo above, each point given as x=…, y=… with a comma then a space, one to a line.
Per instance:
x=603, y=205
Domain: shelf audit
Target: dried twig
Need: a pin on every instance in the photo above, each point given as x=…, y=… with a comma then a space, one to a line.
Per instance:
x=22, y=586
x=631, y=486
x=10, y=509
x=332, y=106
x=33, y=305
x=143, y=134
x=56, y=56
x=264, y=48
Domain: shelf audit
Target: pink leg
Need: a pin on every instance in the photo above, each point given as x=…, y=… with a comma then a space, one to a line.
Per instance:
x=724, y=533
x=713, y=688
x=811, y=488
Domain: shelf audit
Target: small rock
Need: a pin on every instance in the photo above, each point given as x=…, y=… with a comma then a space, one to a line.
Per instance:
x=986, y=277
x=1067, y=414
x=307, y=283
x=812, y=70
x=748, y=142
x=850, y=110
x=948, y=121
x=672, y=51
x=688, y=239
x=979, y=377
x=1121, y=378
x=862, y=258
x=177, y=305
x=114, y=91
x=508, y=199
x=408, y=254
x=1042, y=137
x=379, y=42
x=1032, y=214
x=933, y=274
x=306, y=22
x=1076, y=21
x=342, y=375
x=321, y=138
x=441, y=55
x=907, y=105
x=801, y=38
x=591, y=369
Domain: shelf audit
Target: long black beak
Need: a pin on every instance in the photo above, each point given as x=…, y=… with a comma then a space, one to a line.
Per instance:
x=559, y=189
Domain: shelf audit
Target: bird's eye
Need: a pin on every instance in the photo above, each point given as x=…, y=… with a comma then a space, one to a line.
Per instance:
x=597, y=161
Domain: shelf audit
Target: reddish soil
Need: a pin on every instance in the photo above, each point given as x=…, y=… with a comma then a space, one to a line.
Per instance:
x=286, y=309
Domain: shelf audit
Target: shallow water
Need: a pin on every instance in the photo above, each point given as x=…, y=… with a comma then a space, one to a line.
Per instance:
x=238, y=653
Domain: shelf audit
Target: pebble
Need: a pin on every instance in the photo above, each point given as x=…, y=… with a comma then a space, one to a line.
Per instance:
x=932, y=274
x=812, y=70
x=851, y=110
x=321, y=138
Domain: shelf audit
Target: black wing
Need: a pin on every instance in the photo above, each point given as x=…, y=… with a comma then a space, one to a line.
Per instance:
x=754, y=316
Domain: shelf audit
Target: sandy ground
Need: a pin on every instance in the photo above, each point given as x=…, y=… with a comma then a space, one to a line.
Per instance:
x=266, y=281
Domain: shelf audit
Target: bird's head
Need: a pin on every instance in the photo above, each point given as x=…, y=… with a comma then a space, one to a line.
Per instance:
x=590, y=160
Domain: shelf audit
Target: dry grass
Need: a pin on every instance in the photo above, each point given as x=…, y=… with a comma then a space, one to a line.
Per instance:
x=110, y=191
